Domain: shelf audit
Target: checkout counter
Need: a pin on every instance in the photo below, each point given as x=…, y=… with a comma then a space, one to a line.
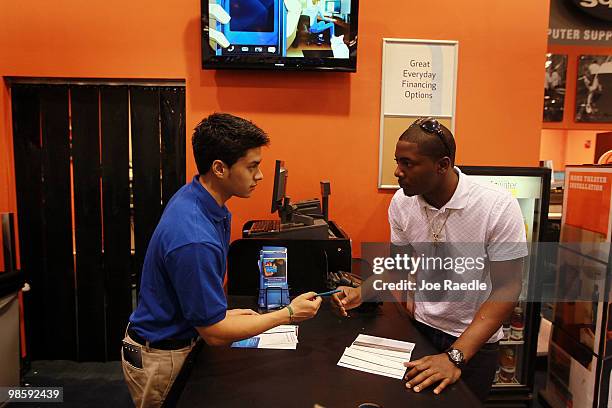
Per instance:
x=309, y=376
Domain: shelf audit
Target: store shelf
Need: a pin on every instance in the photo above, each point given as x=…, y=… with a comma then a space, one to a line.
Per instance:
x=498, y=383
x=511, y=342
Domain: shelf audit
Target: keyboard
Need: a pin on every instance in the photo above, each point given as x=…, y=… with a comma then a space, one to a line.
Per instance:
x=265, y=226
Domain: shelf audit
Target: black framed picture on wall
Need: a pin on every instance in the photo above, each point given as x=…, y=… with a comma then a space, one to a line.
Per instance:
x=594, y=89
x=554, y=87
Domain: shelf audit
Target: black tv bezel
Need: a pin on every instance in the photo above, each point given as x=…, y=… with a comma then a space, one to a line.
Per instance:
x=214, y=62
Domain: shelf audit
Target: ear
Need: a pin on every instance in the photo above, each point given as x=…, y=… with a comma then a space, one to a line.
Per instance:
x=444, y=164
x=219, y=169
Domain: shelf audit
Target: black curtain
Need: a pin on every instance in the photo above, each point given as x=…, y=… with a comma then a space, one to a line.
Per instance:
x=77, y=207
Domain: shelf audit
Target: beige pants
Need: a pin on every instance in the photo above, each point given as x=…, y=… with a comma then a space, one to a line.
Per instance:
x=149, y=385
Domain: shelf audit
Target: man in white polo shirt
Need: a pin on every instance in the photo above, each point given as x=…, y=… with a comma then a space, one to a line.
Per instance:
x=440, y=206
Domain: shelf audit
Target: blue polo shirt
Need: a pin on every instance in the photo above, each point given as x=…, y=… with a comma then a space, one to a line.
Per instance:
x=182, y=276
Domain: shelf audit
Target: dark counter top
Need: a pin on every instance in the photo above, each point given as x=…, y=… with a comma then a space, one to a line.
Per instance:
x=226, y=377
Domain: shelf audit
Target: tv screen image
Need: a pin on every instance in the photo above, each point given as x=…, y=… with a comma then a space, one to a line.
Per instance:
x=280, y=34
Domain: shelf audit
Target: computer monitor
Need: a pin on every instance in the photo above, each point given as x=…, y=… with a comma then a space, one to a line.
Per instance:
x=300, y=220
x=280, y=185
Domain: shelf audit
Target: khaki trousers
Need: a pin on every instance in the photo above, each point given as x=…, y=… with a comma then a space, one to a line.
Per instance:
x=149, y=385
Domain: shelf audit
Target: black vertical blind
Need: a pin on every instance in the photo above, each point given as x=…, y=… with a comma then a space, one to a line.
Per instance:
x=80, y=301
x=116, y=210
x=58, y=290
x=172, y=101
x=27, y=147
x=88, y=228
x=146, y=166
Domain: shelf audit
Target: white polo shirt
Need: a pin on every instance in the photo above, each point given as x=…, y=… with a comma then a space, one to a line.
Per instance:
x=486, y=216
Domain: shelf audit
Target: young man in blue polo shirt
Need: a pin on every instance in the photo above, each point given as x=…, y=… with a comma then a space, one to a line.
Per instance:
x=181, y=293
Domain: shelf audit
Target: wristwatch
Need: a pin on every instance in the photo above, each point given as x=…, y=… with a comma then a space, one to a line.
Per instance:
x=456, y=357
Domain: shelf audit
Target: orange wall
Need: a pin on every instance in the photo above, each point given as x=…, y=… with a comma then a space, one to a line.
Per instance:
x=6, y=157
x=7, y=190
x=576, y=152
x=552, y=147
x=568, y=146
x=324, y=125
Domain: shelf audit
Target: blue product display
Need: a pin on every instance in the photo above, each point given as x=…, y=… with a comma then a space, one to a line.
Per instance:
x=273, y=284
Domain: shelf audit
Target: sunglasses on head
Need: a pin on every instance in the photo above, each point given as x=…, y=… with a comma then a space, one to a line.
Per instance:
x=431, y=125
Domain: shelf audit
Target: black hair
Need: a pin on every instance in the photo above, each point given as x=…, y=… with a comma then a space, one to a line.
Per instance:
x=224, y=137
x=430, y=143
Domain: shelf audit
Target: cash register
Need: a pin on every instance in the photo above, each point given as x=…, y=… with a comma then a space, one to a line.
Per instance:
x=306, y=219
x=316, y=245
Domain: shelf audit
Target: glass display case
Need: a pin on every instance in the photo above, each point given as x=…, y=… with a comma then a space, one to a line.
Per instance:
x=515, y=374
x=580, y=359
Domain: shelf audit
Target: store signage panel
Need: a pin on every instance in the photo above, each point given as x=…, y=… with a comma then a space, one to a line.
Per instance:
x=580, y=22
x=419, y=78
x=588, y=200
x=600, y=9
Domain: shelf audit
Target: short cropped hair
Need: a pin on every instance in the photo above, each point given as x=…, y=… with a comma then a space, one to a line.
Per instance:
x=430, y=143
x=224, y=137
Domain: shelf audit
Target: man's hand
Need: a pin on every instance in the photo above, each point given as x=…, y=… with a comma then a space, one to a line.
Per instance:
x=348, y=299
x=305, y=306
x=431, y=370
x=237, y=312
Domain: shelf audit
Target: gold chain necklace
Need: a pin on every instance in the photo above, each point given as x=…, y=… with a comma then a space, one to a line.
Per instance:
x=436, y=235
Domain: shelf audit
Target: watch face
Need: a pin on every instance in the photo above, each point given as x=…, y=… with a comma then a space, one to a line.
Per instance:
x=456, y=355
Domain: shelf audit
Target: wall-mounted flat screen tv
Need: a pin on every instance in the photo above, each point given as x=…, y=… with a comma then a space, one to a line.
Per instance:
x=280, y=34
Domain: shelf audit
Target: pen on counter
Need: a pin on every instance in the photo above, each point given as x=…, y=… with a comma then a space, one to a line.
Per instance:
x=331, y=292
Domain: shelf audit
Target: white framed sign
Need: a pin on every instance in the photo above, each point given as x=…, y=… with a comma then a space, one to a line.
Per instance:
x=419, y=78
